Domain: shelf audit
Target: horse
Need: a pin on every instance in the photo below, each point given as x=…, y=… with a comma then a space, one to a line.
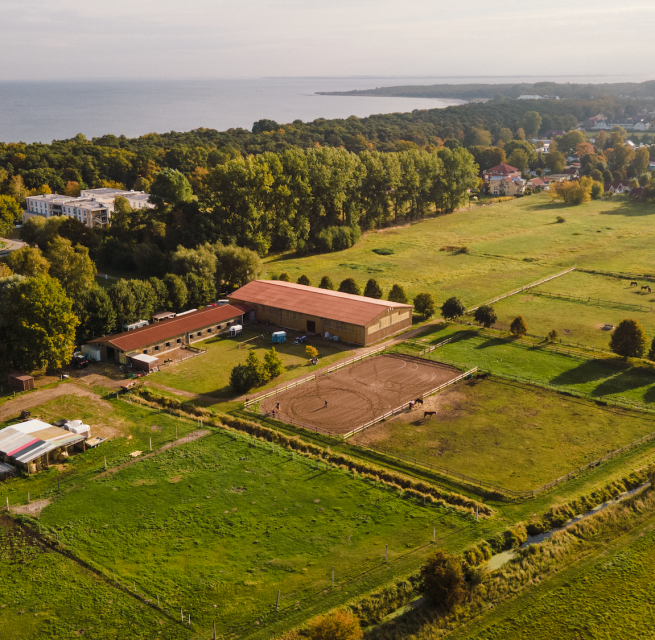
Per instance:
x=429, y=414
x=418, y=401
x=645, y=288
x=634, y=284
x=649, y=291
x=481, y=376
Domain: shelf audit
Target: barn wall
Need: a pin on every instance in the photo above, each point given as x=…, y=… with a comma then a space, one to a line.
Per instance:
x=388, y=323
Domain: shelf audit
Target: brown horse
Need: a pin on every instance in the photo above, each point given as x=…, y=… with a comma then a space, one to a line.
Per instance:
x=418, y=401
x=429, y=414
x=634, y=284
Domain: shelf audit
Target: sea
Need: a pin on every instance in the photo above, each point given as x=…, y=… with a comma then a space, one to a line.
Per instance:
x=42, y=111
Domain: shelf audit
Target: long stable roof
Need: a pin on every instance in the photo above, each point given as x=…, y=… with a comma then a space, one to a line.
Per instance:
x=333, y=305
x=29, y=440
x=164, y=329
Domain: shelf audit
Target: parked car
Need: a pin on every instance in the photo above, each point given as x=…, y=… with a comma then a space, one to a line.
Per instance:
x=80, y=360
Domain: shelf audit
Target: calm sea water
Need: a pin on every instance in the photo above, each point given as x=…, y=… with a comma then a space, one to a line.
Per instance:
x=46, y=111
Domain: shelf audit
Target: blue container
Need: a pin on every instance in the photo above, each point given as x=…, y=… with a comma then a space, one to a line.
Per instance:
x=280, y=336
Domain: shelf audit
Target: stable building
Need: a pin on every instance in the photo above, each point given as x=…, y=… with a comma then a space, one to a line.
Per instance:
x=351, y=318
x=167, y=335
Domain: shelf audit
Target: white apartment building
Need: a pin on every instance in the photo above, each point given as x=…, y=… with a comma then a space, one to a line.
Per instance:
x=93, y=208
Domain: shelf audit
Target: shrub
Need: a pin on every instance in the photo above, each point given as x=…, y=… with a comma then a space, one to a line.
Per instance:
x=452, y=308
x=560, y=220
x=443, y=580
x=311, y=352
x=256, y=371
x=425, y=305
x=383, y=252
x=628, y=339
x=596, y=190
x=326, y=283
x=273, y=363
x=304, y=280
x=486, y=316
x=518, y=326
x=240, y=378
x=349, y=286
x=373, y=289
x=553, y=335
x=397, y=294
x=338, y=625
x=284, y=277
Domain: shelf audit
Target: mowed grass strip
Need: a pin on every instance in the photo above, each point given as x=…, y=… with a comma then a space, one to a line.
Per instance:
x=601, y=378
x=516, y=436
x=226, y=522
x=209, y=374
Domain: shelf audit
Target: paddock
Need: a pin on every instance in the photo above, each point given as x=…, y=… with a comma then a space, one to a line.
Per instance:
x=359, y=393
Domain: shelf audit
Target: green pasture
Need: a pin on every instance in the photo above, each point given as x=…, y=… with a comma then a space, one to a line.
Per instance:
x=595, y=301
x=510, y=244
x=230, y=522
x=515, y=436
x=128, y=428
x=46, y=595
x=610, y=378
x=606, y=596
x=209, y=373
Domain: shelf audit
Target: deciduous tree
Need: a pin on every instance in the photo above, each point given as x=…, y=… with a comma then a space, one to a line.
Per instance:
x=486, y=316
x=452, y=308
x=442, y=580
x=72, y=266
x=303, y=279
x=397, y=294
x=273, y=363
x=373, y=289
x=628, y=339
x=326, y=283
x=349, y=286
x=518, y=327
x=425, y=305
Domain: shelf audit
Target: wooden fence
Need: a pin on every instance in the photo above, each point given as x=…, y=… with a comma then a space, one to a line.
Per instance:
x=357, y=359
x=592, y=300
x=404, y=406
x=251, y=401
x=523, y=288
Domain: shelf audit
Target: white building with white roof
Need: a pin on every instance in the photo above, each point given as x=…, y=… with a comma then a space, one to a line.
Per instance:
x=93, y=207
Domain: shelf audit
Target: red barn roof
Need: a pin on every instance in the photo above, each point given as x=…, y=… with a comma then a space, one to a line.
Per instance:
x=160, y=331
x=502, y=170
x=332, y=305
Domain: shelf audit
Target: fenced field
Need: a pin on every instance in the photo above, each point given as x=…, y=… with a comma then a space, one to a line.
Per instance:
x=506, y=434
x=359, y=393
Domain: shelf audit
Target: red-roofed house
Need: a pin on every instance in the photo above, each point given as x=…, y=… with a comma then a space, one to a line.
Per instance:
x=618, y=186
x=502, y=170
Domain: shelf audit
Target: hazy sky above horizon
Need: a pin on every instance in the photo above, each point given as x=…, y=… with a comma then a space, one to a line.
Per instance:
x=42, y=39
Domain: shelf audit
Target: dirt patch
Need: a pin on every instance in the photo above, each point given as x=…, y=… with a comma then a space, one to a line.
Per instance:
x=102, y=431
x=155, y=427
x=144, y=481
x=35, y=398
x=33, y=509
x=175, y=479
x=343, y=400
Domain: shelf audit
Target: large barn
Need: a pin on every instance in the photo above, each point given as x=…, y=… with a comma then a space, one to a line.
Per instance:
x=167, y=335
x=355, y=319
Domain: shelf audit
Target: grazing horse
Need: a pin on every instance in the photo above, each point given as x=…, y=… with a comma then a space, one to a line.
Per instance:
x=649, y=291
x=644, y=288
x=418, y=401
x=429, y=414
x=481, y=376
x=634, y=284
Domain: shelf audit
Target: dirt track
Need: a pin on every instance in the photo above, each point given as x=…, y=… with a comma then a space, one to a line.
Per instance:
x=360, y=392
x=12, y=408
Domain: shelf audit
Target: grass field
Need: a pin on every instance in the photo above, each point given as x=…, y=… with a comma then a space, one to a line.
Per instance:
x=606, y=300
x=510, y=244
x=209, y=374
x=228, y=523
x=515, y=436
x=609, y=378
x=606, y=596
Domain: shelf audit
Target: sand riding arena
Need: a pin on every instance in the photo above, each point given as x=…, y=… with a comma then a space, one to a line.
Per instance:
x=358, y=393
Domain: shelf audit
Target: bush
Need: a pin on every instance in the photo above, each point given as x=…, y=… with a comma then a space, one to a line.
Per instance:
x=304, y=280
x=311, y=352
x=553, y=335
x=443, y=580
x=425, y=305
x=596, y=190
x=628, y=339
x=397, y=294
x=256, y=370
x=373, y=289
x=560, y=220
x=452, y=308
x=338, y=625
x=518, y=326
x=383, y=252
x=486, y=316
x=349, y=286
x=284, y=277
x=273, y=364
x=240, y=378
x=326, y=283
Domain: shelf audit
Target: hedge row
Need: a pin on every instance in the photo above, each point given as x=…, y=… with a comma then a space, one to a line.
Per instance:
x=404, y=484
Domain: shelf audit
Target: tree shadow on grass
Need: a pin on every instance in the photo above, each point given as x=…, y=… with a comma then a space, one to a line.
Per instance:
x=631, y=209
x=649, y=396
x=493, y=342
x=588, y=371
x=632, y=378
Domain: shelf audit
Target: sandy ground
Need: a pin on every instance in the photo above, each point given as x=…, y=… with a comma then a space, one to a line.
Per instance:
x=33, y=509
x=12, y=408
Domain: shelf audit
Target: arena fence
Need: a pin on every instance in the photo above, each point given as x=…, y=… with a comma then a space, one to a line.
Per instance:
x=252, y=401
x=523, y=288
x=402, y=407
x=357, y=359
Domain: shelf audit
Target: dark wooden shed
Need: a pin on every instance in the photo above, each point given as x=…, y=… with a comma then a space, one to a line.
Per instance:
x=21, y=381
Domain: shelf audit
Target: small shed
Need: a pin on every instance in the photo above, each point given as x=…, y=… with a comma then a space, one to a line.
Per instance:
x=92, y=351
x=280, y=336
x=144, y=362
x=236, y=330
x=21, y=381
x=163, y=315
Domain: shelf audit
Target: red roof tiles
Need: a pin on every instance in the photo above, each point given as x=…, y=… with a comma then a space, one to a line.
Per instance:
x=160, y=331
x=312, y=301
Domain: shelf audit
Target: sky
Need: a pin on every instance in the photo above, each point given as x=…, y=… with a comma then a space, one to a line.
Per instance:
x=85, y=39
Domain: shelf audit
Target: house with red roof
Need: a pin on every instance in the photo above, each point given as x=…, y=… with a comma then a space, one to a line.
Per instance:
x=618, y=186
